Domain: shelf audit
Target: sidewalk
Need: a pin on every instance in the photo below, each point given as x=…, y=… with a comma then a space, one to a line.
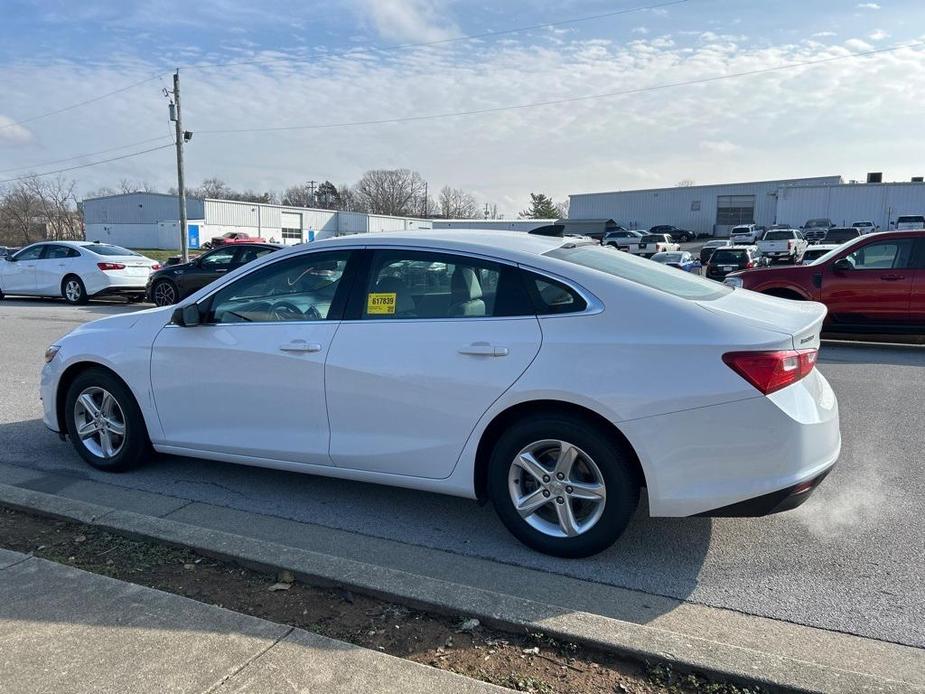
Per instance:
x=64, y=630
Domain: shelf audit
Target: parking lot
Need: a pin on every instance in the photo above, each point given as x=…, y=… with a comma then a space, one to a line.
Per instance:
x=851, y=559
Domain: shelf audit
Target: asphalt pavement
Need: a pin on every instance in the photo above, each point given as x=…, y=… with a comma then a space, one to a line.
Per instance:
x=851, y=559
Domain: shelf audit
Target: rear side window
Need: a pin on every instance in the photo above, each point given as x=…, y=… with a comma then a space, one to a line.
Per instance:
x=551, y=297
x=58, y=252
x=426, y=285
x=685, y=285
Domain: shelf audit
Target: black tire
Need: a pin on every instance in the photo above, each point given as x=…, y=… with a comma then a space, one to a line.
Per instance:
x=134, y=445
x=162, y=291
x=621, y=483
x=73, y=290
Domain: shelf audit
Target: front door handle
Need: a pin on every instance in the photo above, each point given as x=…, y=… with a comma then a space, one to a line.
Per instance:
x=892, y=278
x=300, y=346
x=483, y=349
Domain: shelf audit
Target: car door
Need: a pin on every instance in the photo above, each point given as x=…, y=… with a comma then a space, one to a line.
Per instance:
x=19, y=271
x=51, y=268
x=249, y=380
x=917, y=291
x=874, y=287
x=432, y=340
x=206, y=269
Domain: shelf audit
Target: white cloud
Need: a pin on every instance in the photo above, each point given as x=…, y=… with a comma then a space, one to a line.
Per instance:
x=878, y=35
x=868, y=6
x=408, y=20
x=640, y=30
x=719, y=146
x=792, y=122
x=13, y=134
x=824, y=34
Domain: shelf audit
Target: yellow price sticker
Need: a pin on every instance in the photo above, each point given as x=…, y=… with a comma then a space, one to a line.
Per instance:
x=381, y=303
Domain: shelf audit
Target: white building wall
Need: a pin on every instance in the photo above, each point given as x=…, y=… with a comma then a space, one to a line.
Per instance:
x=138, y=208
x=691, y=207
x=880, y=203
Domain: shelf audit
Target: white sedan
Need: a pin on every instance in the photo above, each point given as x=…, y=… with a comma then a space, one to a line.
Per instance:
x=500, y=366
x=75, y=270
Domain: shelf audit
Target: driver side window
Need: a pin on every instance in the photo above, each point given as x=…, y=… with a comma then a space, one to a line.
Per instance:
x=886, y=255
x=302, y=288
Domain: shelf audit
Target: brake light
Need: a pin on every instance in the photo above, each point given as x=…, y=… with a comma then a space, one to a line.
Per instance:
x=110, y=266
x=771, y=371
x=156, y=266
x=749, y=265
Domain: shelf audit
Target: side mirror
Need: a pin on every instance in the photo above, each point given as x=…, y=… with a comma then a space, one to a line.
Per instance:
x=186, y=316
x=843, y=265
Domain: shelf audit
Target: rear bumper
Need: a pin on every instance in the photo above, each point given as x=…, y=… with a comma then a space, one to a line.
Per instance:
x=120, y=290
x=767, y=504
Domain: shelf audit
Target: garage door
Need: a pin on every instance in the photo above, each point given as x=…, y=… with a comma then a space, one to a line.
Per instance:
x=291, y=223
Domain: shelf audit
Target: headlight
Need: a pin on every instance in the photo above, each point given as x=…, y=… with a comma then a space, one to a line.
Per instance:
x=735, y=282
x=51, y=352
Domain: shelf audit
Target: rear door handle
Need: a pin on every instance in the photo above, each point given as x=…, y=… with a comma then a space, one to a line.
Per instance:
x=300, y=346
x=483, y=349
x=892, y=278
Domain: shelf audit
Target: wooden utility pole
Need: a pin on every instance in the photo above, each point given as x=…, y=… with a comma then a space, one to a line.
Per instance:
x=177, y=118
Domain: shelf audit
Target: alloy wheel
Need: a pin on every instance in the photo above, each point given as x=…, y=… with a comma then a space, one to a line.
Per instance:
x=73, y=290
x=557, y=488
x=164, y=294
x=99, y=422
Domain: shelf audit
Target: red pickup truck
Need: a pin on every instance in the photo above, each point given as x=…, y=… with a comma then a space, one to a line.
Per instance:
x=235, y=237
x=873, y=283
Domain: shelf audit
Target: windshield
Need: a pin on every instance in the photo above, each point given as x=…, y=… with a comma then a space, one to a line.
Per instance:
x=778, y=235
x=667, y=257
x=654, y=275
x=906, y=219
x=817, y=223
x=841, y=235
x=106, y=249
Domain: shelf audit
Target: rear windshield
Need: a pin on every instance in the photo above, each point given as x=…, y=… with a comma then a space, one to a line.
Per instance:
x=778, y=235
x=840, y=235
x=742, y=230
x=654, y=275
x=910, y=218
x=729, y=257
x=106, y=249
x=652, y=238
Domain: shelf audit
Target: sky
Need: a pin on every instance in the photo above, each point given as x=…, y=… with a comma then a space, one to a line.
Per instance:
x=297, y=77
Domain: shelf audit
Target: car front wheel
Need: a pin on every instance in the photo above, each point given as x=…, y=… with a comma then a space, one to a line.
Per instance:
x=562, y=486
x=104, y=422
x=165, y=293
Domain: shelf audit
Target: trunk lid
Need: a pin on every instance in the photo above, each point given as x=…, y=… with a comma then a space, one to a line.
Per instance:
x=801, y=321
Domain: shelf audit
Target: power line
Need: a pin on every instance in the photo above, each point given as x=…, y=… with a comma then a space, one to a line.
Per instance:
x=100, y=97
x=83, y=156
x=441, y=42
x=83, y=166
x=565, y=100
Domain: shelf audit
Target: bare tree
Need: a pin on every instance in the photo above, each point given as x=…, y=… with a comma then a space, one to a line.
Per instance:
x=349, y=200
x=212, y=188
x=301, y=195
x=19, y=212
x=127, y=185
x=58, y=206
x=391, y=191
x=102, y=192
x=562, y=208
x=454, y=203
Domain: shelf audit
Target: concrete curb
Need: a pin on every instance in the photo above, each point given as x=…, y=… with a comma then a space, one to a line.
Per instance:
x=741, y=665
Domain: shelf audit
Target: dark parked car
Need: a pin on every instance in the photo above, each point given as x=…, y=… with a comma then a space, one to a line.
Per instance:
x=815, y=229
x=841, y=235
x=175, y=282
x=621, y=238
x=732, y=259
x=872, y=284
x=673, y=231
x=710, y=247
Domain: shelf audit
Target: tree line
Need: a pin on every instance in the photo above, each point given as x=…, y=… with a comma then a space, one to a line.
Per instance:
x=36, y=208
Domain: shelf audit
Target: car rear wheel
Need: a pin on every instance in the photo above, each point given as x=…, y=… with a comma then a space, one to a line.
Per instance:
x=561, y=486
x=104, y=422
x=165, y=293
x=73, y=290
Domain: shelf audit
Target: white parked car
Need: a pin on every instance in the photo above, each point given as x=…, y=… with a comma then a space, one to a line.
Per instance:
x=910, y=222
x=816, y=251
x=745, y=234
x=445, y=362
x=75, y=270
x=866, y=226
x=785, y=245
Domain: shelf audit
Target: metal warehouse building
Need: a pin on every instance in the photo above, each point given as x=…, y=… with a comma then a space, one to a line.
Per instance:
x=151, y=220
x=715, y=209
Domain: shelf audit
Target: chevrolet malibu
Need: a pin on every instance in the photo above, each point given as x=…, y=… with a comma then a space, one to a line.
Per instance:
x=504, y=367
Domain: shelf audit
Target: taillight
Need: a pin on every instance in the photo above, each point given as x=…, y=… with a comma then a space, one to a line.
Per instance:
x=156, y=266
x=110, y=266
x=749, y=265
x=771, y=371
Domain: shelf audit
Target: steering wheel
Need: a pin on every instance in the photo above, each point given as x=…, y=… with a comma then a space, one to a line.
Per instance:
x=313, y=313
x=285, y=310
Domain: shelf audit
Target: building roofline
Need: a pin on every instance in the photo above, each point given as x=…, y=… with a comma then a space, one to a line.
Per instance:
x=139, y=192
x=719, y=185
